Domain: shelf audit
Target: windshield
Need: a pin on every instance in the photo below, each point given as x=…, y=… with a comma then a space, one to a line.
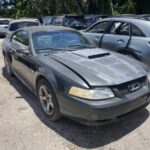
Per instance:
x=48, y=20
x=4, y=22
x=17, y=25
x=60, y=40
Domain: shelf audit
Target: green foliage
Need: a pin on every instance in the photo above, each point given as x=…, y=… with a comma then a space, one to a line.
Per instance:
x=38, y=8
x=128, y=7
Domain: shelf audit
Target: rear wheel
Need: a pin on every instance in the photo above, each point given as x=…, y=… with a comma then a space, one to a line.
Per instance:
x=7, y=66
x=47, y=100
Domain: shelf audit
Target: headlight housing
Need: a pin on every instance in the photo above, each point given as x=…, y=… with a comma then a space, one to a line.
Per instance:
x=91, y=94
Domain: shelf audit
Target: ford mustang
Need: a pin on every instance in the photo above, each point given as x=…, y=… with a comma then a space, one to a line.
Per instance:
x=72, y=77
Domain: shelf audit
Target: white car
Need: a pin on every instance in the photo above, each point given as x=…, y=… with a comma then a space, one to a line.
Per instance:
x=21, y=23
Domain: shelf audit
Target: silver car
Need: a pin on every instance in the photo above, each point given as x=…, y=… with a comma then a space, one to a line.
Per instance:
x=21, y=23
x=127, y=36
x=4, y=22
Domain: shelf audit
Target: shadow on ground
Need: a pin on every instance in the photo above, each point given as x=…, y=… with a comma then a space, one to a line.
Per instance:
x=80, y=135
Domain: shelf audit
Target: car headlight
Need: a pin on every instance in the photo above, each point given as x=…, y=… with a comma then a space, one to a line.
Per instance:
x=96, y=94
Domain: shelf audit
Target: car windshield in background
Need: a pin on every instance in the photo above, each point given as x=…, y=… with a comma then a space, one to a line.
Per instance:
x=4, y=22
x=48, y=20
x=18, y=25
x=60, y=40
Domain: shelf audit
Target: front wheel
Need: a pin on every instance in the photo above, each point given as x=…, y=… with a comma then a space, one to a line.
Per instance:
x=47, y=100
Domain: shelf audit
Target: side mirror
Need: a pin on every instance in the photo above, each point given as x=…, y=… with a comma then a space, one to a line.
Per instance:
x=23, y=51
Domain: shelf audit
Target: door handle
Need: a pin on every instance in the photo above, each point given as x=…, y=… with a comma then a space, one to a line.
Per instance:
x=121, y=41
x=97, y=38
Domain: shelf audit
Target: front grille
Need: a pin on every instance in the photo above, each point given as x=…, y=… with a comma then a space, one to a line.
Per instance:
x=123, y=88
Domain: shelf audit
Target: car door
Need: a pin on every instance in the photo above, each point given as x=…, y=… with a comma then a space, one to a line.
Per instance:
x=96, y=32
x=22, y=59
x=117, y=37
x=140, y=45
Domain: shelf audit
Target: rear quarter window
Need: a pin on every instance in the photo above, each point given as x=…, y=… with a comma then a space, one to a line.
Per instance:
x=137, y=32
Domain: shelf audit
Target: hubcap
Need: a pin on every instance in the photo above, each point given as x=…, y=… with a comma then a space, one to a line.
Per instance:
x=46, y=100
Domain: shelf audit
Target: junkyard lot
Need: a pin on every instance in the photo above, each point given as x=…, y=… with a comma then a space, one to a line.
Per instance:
x=24, y=127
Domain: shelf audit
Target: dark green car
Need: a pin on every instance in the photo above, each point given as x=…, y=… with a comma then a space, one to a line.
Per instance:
x=74, y=78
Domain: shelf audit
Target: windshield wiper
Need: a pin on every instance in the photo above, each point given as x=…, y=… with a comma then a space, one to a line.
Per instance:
x=81, y=45
x=45, y=50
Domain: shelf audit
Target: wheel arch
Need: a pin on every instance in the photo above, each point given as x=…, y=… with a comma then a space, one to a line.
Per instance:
x=53, y=84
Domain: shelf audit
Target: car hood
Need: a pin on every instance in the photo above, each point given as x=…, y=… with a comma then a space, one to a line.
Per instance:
x=100, y=67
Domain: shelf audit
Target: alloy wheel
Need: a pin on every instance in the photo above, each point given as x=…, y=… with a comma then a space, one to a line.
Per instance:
x=46, y=100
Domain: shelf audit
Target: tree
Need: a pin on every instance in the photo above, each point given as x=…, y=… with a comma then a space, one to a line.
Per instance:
x=37, y=8
x=128, y=7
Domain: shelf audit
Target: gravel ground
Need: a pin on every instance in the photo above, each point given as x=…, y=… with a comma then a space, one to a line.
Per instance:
x=24, y=127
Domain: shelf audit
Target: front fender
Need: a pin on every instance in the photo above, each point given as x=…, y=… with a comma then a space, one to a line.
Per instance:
x=59, y=76
x=48, y=75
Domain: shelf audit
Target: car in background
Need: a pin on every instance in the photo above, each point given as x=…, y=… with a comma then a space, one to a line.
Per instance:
x=90, y=19
x=73, y=21
x=127, y=16
x=46, y=20
x=127, y=36
x=17, y=24
x=4, y=22
x=144, y=17
x=23, y=22
x=72, y=77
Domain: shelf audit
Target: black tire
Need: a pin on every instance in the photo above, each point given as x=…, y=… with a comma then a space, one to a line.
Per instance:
x=51, y=111
x=7, y=66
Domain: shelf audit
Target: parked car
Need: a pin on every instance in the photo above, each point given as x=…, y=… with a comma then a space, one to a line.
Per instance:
x=4, y=22
x=46, y=20
x=90, y=19
x=72, y=77
x=127, y=36
x=20, y=23
x=73, y=21
x=144, y=17
x=127, y=16
x=17, y=24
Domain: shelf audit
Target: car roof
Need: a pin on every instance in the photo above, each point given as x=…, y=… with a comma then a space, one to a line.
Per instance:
x=6, y=19
x=33, y=29
x=23, y=19
x=69, y=15
x=143, y=15
x=143, y=25
x=122, y=19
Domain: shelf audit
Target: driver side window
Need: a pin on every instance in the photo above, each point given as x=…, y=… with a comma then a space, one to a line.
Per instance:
x=100, y=27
